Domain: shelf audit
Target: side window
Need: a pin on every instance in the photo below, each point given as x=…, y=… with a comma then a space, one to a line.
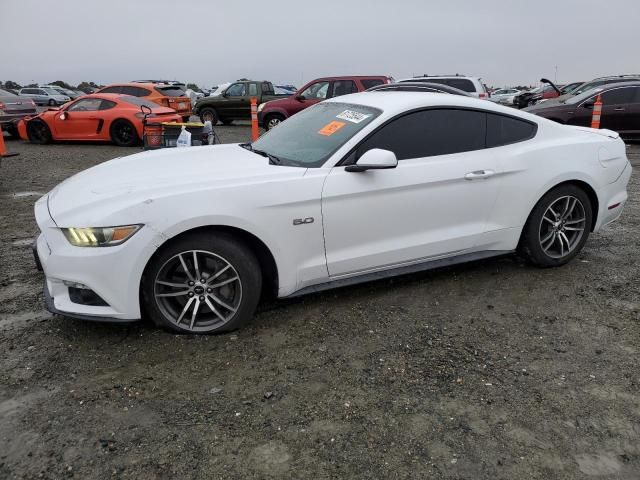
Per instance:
x=502, y=130
x=236, y=90
x=107, y=104
x=619, y=96
x=40, y=92
x=343, y=87
x=430, y=132
x=462, y=84
x=371, y=82
x=253, y=89
x=113, y=89
x=267, y=88
x=86, y=105
x=316, y=91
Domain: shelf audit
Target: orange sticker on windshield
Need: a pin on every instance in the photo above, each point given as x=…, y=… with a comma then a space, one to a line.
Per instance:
x=331, y=128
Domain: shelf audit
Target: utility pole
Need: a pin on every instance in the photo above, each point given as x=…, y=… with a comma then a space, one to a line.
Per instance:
x=556, y=77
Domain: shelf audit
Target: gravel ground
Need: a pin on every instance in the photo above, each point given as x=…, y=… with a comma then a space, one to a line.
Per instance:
x=492, y=370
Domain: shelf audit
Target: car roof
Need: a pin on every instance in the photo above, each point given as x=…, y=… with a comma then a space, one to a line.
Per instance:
x=394, y=102
x=418, y=87
x=609, y=86
x=347, y=77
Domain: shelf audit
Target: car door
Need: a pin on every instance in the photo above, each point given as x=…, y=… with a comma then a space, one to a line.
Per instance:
x=312, y=94
x=80, y=121
x=234, y=100
x=618, y=110
x=434, y=203
x=41, y=96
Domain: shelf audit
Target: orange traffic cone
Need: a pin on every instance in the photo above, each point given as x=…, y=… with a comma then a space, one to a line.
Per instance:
x=254, y=119
x=597, y=112
x=3, y=148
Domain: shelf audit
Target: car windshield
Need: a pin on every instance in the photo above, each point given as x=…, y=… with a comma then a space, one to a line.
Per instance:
x=583, y=96
x=310, y=137
x=139, y=101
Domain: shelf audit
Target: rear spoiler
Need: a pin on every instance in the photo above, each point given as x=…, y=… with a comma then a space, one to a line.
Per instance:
x=602, y=131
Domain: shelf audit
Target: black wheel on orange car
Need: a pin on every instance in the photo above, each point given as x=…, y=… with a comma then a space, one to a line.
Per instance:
x=38, y=132
x=209, y=114
x=123, y=133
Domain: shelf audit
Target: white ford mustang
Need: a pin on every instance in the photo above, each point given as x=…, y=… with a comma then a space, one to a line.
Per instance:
x=355, y=188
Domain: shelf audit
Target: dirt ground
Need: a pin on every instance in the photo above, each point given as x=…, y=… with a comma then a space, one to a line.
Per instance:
x=492, y=370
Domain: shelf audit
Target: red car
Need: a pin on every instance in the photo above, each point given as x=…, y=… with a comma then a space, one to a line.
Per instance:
x=96, y=117
x=272, y=113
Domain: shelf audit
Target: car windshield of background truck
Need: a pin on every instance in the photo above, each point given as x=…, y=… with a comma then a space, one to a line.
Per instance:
x=310, y=137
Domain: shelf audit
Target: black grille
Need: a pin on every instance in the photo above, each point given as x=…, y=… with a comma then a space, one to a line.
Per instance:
x=84, y=296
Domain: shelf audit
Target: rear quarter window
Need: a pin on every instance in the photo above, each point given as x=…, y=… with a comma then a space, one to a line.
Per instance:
x=503, y=130
x=462, y=84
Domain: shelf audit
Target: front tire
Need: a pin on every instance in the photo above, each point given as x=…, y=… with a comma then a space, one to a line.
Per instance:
x=272, y=121
x=38, y=132
x=124, y=134
x=209, y=114
x=558, y=227
x=52, y=103
x=202, y=283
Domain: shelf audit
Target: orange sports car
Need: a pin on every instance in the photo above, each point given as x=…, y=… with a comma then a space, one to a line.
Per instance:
x=164, y=94
x=96, y=117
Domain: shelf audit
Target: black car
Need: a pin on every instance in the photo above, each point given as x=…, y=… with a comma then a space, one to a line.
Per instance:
x=620, y=108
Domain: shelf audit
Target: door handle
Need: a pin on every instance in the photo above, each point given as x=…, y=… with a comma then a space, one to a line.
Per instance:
x=618, y=109
x=479, y=174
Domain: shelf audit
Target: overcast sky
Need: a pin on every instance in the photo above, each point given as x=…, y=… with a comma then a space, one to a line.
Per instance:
x=209, y=42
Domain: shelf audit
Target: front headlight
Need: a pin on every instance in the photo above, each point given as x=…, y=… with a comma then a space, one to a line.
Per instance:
x=100, y=236
x=261, y=106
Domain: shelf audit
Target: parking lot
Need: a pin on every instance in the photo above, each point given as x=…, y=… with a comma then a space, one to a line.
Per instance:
x=491, y=370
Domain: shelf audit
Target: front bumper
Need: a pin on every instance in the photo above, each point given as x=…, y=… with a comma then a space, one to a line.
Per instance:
x=111, y=273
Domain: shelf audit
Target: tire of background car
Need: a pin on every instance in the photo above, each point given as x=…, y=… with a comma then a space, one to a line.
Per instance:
x=557, y=227
x=227, y=121
x=123, y=133
x=272, y=120
x=52, y=102
x=202, y=283
x=208, y=113
x=186, y=119
x=12, y=130
x=38, y=132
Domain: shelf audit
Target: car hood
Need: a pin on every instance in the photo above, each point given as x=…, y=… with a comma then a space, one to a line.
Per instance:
x=546, y=106
x=141, y=178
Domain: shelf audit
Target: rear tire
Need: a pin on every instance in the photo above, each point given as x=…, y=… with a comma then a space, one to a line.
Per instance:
x=202, y=283
x=557, y=227
x=209, y=114
x=123, y=133
x=38, y=132
x=226, y=122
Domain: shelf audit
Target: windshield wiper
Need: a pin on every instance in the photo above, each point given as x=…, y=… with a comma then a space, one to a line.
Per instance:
x=273, y=160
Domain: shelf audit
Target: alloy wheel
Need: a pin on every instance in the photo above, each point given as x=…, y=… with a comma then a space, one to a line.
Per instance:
x=124, y=133
x=273, y=122
x=197, y=290
x=562, y=226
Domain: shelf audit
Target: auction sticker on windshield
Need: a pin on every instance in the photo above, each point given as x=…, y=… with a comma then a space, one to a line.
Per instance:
x=352, y=116
x=331, y=128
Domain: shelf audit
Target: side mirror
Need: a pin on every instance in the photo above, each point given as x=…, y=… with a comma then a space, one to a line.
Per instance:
x=300, y=98
x=588, y=104
x=374, y=159
x=64, y=115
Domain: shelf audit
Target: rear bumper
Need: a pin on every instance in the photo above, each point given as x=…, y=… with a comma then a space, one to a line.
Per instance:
x=13, y=118
x=613, y=198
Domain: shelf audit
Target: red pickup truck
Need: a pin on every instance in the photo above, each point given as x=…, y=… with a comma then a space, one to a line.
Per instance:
x=273, y=112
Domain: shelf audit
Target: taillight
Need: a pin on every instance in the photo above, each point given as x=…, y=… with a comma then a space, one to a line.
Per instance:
x=2, y=105
x=484, y=95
